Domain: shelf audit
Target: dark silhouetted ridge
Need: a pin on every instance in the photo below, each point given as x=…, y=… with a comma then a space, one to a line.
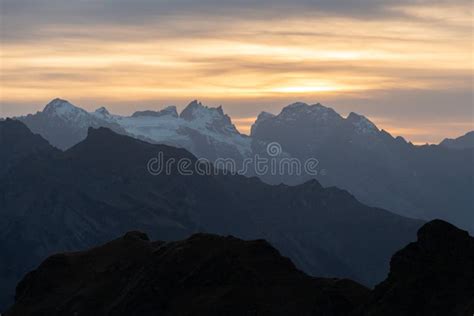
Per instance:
x=202, y=275
x=102, y=140
x=207, y=274
x=17, y=143
x=432, y=276
x=463, y=142
x=15, y=133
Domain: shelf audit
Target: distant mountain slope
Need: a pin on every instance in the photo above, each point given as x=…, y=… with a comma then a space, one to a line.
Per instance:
x=212, y=275
x=100, y=188
x=416, y=181
x=462, y=142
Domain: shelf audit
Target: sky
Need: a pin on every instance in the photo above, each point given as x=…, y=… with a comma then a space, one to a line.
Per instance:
x=406, y=65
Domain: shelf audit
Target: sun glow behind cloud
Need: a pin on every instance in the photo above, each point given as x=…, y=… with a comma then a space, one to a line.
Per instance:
x=258, y=60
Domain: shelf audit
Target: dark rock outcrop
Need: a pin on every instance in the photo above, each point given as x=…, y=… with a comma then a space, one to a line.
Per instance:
x=432, y=276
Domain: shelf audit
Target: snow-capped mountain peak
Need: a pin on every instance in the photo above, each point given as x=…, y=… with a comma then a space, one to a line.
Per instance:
x=191, y=110
x=206, y=132
x=63, y=109
x=195, y=110
x=208, y=117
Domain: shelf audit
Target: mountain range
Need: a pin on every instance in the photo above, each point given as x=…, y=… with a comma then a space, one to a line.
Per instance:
x=425, y=182
x=53, y=200
x=215, y=275
x=206, y=132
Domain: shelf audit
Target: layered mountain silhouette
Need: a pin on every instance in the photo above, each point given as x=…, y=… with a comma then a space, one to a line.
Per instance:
x=212, y=275
x=53, y=201
x=426, y=182
x=462, y=142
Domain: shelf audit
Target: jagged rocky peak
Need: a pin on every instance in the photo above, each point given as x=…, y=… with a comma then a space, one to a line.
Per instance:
x=213, y=118
x=190, y=111
x=168, y=111
x=102, y=111
x=361, y=124
x=196, y=110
